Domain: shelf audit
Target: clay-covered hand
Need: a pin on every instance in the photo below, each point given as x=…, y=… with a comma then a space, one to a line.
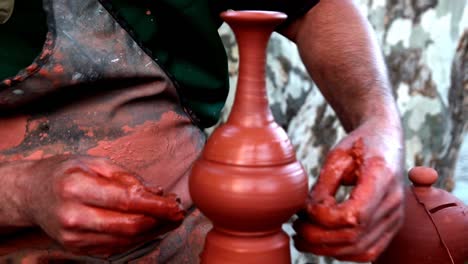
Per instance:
x=359, y=228
x=93, y=207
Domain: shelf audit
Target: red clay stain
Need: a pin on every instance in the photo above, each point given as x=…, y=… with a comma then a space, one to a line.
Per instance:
x=153, y=150
x=34, y=124
x=127, y=129
x=88, y=130
x=36, y=155
x=58, y=55
x=48, y=47
x=43, y=72
x=58, y=69
x=18, y=78
x=43, y=136
x=32, y=68
x=12, y=131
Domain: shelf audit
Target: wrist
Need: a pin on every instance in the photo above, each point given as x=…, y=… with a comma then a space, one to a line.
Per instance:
x=389, y=125
x=378, y=109
x=386, y=138
x=14, y=190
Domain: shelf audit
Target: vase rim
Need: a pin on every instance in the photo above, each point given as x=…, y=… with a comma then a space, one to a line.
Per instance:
x=253, y=15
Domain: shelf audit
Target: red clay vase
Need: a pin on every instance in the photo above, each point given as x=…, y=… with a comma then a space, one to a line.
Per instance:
x=435, y=229
x=248, y=181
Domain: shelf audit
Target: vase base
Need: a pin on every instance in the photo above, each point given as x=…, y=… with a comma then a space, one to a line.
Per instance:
x=222, y=247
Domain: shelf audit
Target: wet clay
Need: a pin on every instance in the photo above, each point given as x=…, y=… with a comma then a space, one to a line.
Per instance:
x=12, y=132
x=435, y=228
x=248, y=181
x=146, y=147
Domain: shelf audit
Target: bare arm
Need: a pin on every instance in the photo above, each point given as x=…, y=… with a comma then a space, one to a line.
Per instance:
x=338, y=48
x=340, y=51
x=88, y=204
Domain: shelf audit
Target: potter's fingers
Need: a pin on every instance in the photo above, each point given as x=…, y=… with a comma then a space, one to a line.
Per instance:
x=332, y=216
x=104, y=193
x=357, y=153
x=374, y=250
x=315, y=234
x=374, y=183
x=105, y=168
x=392, y=201
x=139, y=200
x=98, y=220
x=369, y=238
x=173, y=196
x=318, y=235
x=127, y=179
x=156, y=189
x=337, y=165
x=82, y=242
x=108, y=249
x=322, y=195
x=98, y=166
x=361, y=247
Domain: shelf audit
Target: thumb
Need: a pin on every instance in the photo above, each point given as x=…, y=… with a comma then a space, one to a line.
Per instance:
x=338, y=165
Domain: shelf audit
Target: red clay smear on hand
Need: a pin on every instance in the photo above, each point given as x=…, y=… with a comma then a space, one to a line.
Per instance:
x=357, y=154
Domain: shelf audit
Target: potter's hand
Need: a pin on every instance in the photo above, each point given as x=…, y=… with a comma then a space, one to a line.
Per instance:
x=94, y=207
x=359, y=228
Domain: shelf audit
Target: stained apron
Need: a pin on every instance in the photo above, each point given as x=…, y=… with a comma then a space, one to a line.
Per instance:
x=95, y=91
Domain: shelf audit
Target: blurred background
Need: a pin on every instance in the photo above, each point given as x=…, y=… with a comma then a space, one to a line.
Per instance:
x=425, y=44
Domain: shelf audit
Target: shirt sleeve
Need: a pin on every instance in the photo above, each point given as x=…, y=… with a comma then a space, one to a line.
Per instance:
x=293, y=8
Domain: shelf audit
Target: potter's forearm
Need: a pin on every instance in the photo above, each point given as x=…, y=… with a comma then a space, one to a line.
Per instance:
x=339, y=50
x=12, y=193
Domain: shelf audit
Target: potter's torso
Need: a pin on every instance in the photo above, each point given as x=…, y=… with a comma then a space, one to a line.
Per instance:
x=93, y=90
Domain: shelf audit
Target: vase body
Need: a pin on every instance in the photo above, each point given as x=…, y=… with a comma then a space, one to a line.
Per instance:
x=248, y=181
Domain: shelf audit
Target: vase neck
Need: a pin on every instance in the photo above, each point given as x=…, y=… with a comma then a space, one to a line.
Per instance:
x=252, y=31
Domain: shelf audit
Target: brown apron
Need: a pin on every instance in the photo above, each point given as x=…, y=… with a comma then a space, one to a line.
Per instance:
x=94, y=91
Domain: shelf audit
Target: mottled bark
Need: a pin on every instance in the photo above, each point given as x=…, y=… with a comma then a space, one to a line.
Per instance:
x=458, y=110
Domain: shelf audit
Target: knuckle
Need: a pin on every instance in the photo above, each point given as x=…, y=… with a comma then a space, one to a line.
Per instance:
x=66, y=187
x=355, y=216
x=125, y=204
x=351, y=236
x=71, y=165
x=138, y=225
x=68, y=218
